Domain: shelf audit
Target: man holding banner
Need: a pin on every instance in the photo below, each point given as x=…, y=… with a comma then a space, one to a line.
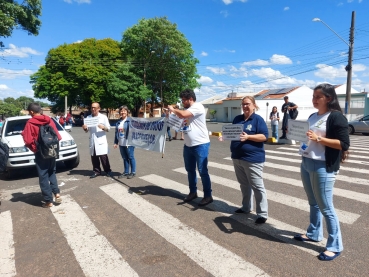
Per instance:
x=197, y=144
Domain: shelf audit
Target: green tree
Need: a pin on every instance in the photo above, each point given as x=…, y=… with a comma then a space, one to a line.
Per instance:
x=126, y=88
x=162, y=56
x=24, y=15
x=80, y=71
x=9, y=109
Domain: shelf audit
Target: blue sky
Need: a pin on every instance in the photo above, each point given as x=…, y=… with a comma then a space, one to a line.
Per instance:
x=242, y=45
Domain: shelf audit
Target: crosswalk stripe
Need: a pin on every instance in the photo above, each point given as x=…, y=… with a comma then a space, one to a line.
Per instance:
x=274, y=228
x=94, y=253
x=357, y=196
x=215, y=259
x=294, y=202
x=290, y=160
x=351, y=148
x=350, y=155
x=7, y=262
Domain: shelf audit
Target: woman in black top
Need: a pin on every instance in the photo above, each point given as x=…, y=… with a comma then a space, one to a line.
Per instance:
x=321, y=156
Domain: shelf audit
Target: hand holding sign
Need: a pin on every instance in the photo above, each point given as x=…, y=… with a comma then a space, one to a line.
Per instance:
x=232, y=131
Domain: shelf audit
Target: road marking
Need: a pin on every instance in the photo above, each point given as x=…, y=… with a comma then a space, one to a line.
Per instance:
x=94, y=253
x=297, y=203
x=7, y=262
x=275, y=228
x=357, y=196
x=350, y=155
x=215, y=259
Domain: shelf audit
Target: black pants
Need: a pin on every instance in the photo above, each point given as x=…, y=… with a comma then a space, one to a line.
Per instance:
x=96, y=163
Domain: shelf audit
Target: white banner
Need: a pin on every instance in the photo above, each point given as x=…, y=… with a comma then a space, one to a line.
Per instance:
x=147, y=133
x=297, y=130
x=91, y=121
x=232, y=131
x=175, y=122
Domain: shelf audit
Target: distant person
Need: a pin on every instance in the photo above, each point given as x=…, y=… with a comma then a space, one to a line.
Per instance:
x=321, y=157
x=288, y=109
x=274, y=122
x=62, y=120
x=197, y=144
x=46, y=168
x=98, y=143
x=248, y=156
x=120, y=139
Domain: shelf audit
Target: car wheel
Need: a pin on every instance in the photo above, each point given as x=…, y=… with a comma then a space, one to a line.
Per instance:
x=9, y=174
x=72, y=163
x=365, y=134
x=351, y=130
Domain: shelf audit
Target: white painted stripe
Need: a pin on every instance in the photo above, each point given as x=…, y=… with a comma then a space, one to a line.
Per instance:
x=297, y=203
x=277, y=229
x=215, y=259
x=350, y=156
x=357, y=196
x=94, y=253
x=7, y=262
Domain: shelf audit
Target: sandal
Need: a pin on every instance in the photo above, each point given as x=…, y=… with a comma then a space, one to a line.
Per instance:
x=47, y=205
x=58, y=199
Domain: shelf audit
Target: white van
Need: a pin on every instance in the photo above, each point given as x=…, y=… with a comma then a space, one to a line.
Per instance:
x=20, y=156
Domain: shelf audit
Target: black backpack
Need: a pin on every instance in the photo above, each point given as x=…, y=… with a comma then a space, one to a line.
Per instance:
x=294, y=114
x=4, y=155
x=48, y=142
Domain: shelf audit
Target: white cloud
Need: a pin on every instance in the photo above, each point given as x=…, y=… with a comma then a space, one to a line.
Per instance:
x=266, y=73
x=360, y=1
x=358, y=67
x=340, y=4
x=13, y=74
x=203, y=53
x=257, y=62
x=221, y=84
x=216, y=70
x=20, y=52
x=330, y=72
x=225, y=50
x=224, y=13
x=280, y=59
x=286, y=8
x=3, y=87
x=78, y=1
x=227, y=2
x=78, y=41
x=205, y=80
x=16, y=94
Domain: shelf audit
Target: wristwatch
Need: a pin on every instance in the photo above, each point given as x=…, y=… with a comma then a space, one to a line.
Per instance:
x=318, y=139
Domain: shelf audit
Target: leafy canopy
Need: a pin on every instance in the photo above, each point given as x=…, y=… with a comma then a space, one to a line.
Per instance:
x=24, y=15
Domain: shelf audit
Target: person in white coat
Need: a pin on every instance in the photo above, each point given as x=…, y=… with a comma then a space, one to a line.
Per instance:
x=98, y=143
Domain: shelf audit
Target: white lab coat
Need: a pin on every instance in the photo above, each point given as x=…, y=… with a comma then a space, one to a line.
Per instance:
x=98, y=136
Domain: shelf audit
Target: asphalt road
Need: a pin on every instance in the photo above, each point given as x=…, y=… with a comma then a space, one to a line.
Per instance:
x=122, y=227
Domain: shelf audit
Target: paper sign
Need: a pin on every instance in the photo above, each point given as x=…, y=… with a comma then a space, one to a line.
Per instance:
x=297, y=130
x=175, y=122
x=232, y=131
x=91, y=121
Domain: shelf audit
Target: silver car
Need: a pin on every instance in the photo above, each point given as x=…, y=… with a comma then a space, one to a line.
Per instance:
x=359, y=125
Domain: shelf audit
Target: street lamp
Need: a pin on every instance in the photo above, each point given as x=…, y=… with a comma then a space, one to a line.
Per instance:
x=152, y=52
x=349, y=64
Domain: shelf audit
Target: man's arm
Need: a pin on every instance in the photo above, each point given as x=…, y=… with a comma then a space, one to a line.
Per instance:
x=180, y=113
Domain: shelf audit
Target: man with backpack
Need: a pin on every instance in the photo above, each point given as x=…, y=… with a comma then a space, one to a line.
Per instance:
x=289, y=111
x=41, y=136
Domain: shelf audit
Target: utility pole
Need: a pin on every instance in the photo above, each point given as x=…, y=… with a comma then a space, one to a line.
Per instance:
x=349, y=66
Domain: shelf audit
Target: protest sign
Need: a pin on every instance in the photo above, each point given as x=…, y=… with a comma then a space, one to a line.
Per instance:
x=297, y=130
x=147, y=133
x=175, y=122
x=232, y=131
x=91, y=121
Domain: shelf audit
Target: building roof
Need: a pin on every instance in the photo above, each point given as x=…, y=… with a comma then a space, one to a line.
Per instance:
x=274, y=93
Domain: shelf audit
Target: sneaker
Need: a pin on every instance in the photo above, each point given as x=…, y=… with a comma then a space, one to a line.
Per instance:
x=130, y=176
x=260, y=220
x=122, y=175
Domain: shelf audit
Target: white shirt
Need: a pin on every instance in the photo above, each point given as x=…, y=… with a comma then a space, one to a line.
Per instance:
x=314, y=150
x=122, y=135
x=194, y=128
x=98, y=140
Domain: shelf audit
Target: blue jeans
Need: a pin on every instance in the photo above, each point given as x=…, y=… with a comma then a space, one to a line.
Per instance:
x=250, y=177
x=128, y=156
x=318, y=185
x=197, y=155
x=169, y=134
x=275, y=131
x=46, y=169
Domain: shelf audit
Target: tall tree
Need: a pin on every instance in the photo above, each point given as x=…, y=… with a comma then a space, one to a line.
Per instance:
x=80, y=71
x=163, y=56
x=24, y=15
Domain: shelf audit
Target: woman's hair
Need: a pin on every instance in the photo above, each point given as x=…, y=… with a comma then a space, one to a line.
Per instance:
x=333, y=105
x=275, y=107
x=252, y=99
x=329, y=92
x=123, y=108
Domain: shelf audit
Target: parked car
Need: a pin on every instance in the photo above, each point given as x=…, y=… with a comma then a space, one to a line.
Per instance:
x=20, y=156
x=359, y=125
